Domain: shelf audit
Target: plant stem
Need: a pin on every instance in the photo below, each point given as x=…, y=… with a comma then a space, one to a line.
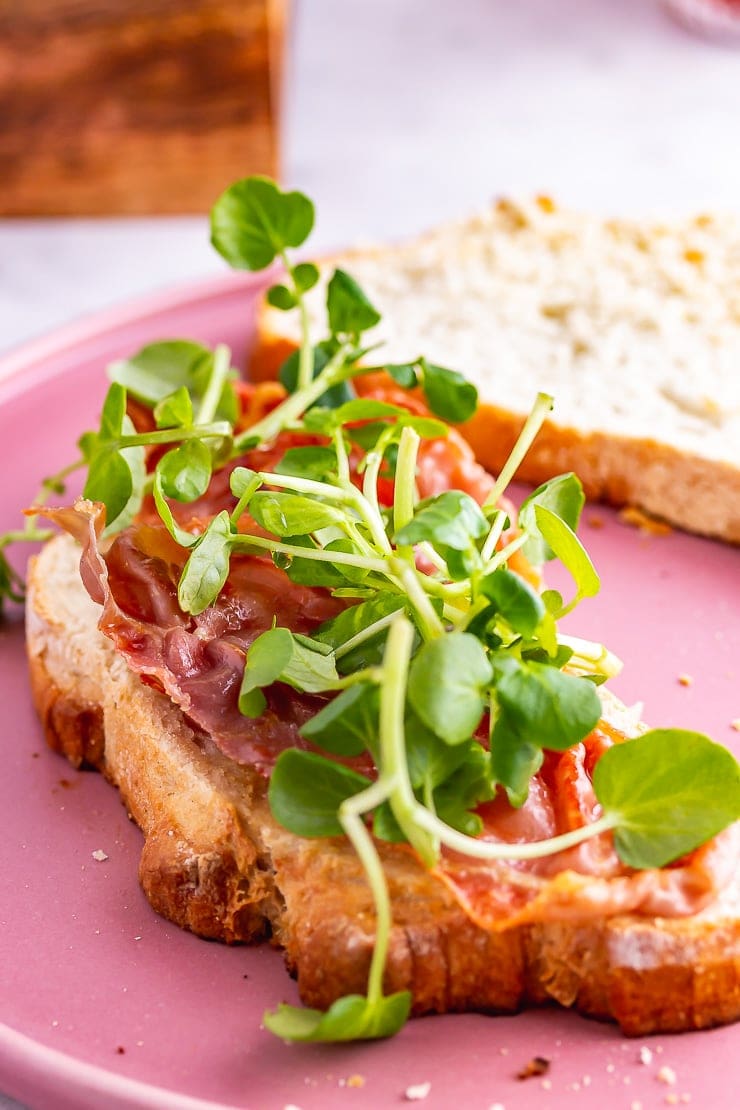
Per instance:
x=404, y=489
x=317, y=554
x=305, y=354
x=214, y=389
x=532, y=425
x=483, y=849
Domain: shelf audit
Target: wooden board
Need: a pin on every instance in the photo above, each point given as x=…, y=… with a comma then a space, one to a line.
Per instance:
x=135, y=106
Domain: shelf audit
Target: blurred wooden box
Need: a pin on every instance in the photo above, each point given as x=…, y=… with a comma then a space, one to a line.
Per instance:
x=135, y=106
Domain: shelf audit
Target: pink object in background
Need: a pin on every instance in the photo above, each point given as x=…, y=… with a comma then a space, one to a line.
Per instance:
x=716, y=18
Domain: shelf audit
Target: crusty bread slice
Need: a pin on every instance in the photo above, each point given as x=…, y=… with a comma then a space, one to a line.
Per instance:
x=634, y=328
x=215, y=862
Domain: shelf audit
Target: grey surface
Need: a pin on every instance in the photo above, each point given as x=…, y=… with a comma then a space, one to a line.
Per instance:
x=403, y=112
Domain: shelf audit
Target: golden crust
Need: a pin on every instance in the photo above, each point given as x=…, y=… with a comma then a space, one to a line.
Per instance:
x=215, y=862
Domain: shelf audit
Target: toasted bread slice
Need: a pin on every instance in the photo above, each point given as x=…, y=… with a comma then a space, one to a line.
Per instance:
x=214, y=861
x=634, y=328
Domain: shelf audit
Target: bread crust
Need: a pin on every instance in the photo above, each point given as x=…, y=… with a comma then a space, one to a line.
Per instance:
x=215, y=862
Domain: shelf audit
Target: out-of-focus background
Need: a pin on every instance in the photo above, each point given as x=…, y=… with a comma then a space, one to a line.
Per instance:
x=392, y=115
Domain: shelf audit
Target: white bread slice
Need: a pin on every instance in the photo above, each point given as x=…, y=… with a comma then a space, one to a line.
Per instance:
x=634, y=328
x=215, y=862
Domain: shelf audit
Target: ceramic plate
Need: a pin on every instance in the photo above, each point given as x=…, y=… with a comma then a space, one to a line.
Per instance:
x=106, y=1004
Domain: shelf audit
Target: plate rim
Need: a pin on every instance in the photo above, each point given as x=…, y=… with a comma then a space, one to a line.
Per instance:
x=21, y=359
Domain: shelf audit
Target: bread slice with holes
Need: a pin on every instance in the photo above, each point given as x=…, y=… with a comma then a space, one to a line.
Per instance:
x=633, y=327
x=214, y=861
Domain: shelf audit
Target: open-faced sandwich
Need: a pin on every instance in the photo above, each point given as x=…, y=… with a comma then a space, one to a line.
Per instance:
x=308, y=637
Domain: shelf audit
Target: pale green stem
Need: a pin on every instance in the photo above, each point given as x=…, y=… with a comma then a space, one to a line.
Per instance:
x=317, y=554
x=350, y=818
x=493, y=536
x=296, y=403
x=542, y=407
x=366, y=634
x=393, y=760
x=431, y=625
x=591, y=657
x=214, y=389
x=484, y=849
x=505, y=553
x=404, y=488
x=305, y=354
x=340, y=449
x=217, y=430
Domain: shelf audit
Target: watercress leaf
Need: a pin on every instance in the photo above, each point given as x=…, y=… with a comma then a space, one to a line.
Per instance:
x=349, y=310
x=356, y=619
x=253, y=221
x=279, y=656
x=317, y=463
x=447, y=683
x=351, y=1018
x=175, y=410
x=569, y=549
x=563, y=496
x=448, y=393
x=467, y=786
x=513, y=759
x=290, y=514
x=242, y=479
x=207, y=568
x=305, y=275
x=430, y=760
x=385, y=825
x=348, y=724
x=404, y=374
x=88, y=444
x=310, y=572
x=451, y=519
x=159, y=369
x=114, y=410
x=279, y=296
x=109, y=480
x=185, y=472
x=136, y=460
x=179, y=535
x=266, y=658
x=306, y=791
x=332, y=398
x=517, y=602
x=545, y=706
x=670, y=791
x=356, y=575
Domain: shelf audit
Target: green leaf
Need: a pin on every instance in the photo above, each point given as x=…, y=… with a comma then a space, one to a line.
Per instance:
x=114, y=410
x=185, y=472
x=109, y=480
x=448, y=393
x=135, y=458
x=670, y=790
x=179, y=535
x=242, y=479
x=348, y=724
x=404, y=374
x=513, y=759
x=349, y=310
x=305, y=275
x=253, y=221
x=517, y=602
x=160, y=369
x=563, y=496
x=430, y=760
x=207, y=569
x=279, y=656
x=451, y=519
x=290, y=514
x=279, y=296
x=311, y=572
x=545, y=706
x=468, y=786
x=447, y=684
x=316, y=463
x=358, y=618
x=175, y=410
x=306, y=791
x=569, y=549
x=351, y=1018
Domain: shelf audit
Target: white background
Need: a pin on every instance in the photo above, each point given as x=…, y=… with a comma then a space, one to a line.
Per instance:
x=399, y=113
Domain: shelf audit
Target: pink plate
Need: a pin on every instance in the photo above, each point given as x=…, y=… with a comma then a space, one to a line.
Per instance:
x=106, y=1005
